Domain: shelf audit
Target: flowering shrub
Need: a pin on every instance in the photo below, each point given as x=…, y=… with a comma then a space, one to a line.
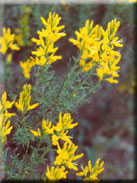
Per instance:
x=38, y=130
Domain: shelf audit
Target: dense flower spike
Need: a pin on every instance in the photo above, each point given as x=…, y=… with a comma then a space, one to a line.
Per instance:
x=90, y=173
x=4, y=105
x=45, y=53
x=62, y=127
x=97, y=49
x=7, y=41
x=56, y=173
x=26, y=67
x=23, y=103
x=66, y=156
x=5, y=127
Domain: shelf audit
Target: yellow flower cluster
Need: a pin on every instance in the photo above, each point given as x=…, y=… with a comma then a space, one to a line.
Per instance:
x=56, y=173
x=7, y=41
x=97, y=49
x=45, y=53
x=66, y=155
x=90, y=173
x=23, y=103
x=26, y=67
x=58, y=131
x=5, y=127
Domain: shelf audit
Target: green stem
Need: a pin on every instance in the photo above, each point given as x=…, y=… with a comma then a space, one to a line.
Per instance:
x=44, y=69
x=25, y=159
x=85, y=79
x=95, y=87
x=70, y=72
x=23, y=122
x=2, y=159
x=67, y=78
x=62, y=86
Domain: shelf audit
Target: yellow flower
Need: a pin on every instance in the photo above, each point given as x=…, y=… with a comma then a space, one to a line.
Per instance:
x=47, y=127
x=66, y=156
x=91, y=173
x=112, y=29
x=88, y=42
x=5, y=128
x=97, y=49
x=23, y=103
x=56, y=173
x=4, y=105
x=45, y=53
x=62, y=127
x=36, y=133
x=26, y=67
x=59, y=131
x=62, y=135
x=65, y=122
x=7, y=41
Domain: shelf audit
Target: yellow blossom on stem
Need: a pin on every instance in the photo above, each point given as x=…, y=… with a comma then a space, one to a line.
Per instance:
x=60, y=130
x=36, y=133
x=65, y=122
x=26, y=67
x=88, y=42
x=45, y=53
x=90, y=173
x=7, y=41
x=97, y=49
x=47, y=127
x=108, y=68
x=56, y=173
x=62, y=127
x=5, y=128
x=4, y=105
x=23, y=103
x=66, y=156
